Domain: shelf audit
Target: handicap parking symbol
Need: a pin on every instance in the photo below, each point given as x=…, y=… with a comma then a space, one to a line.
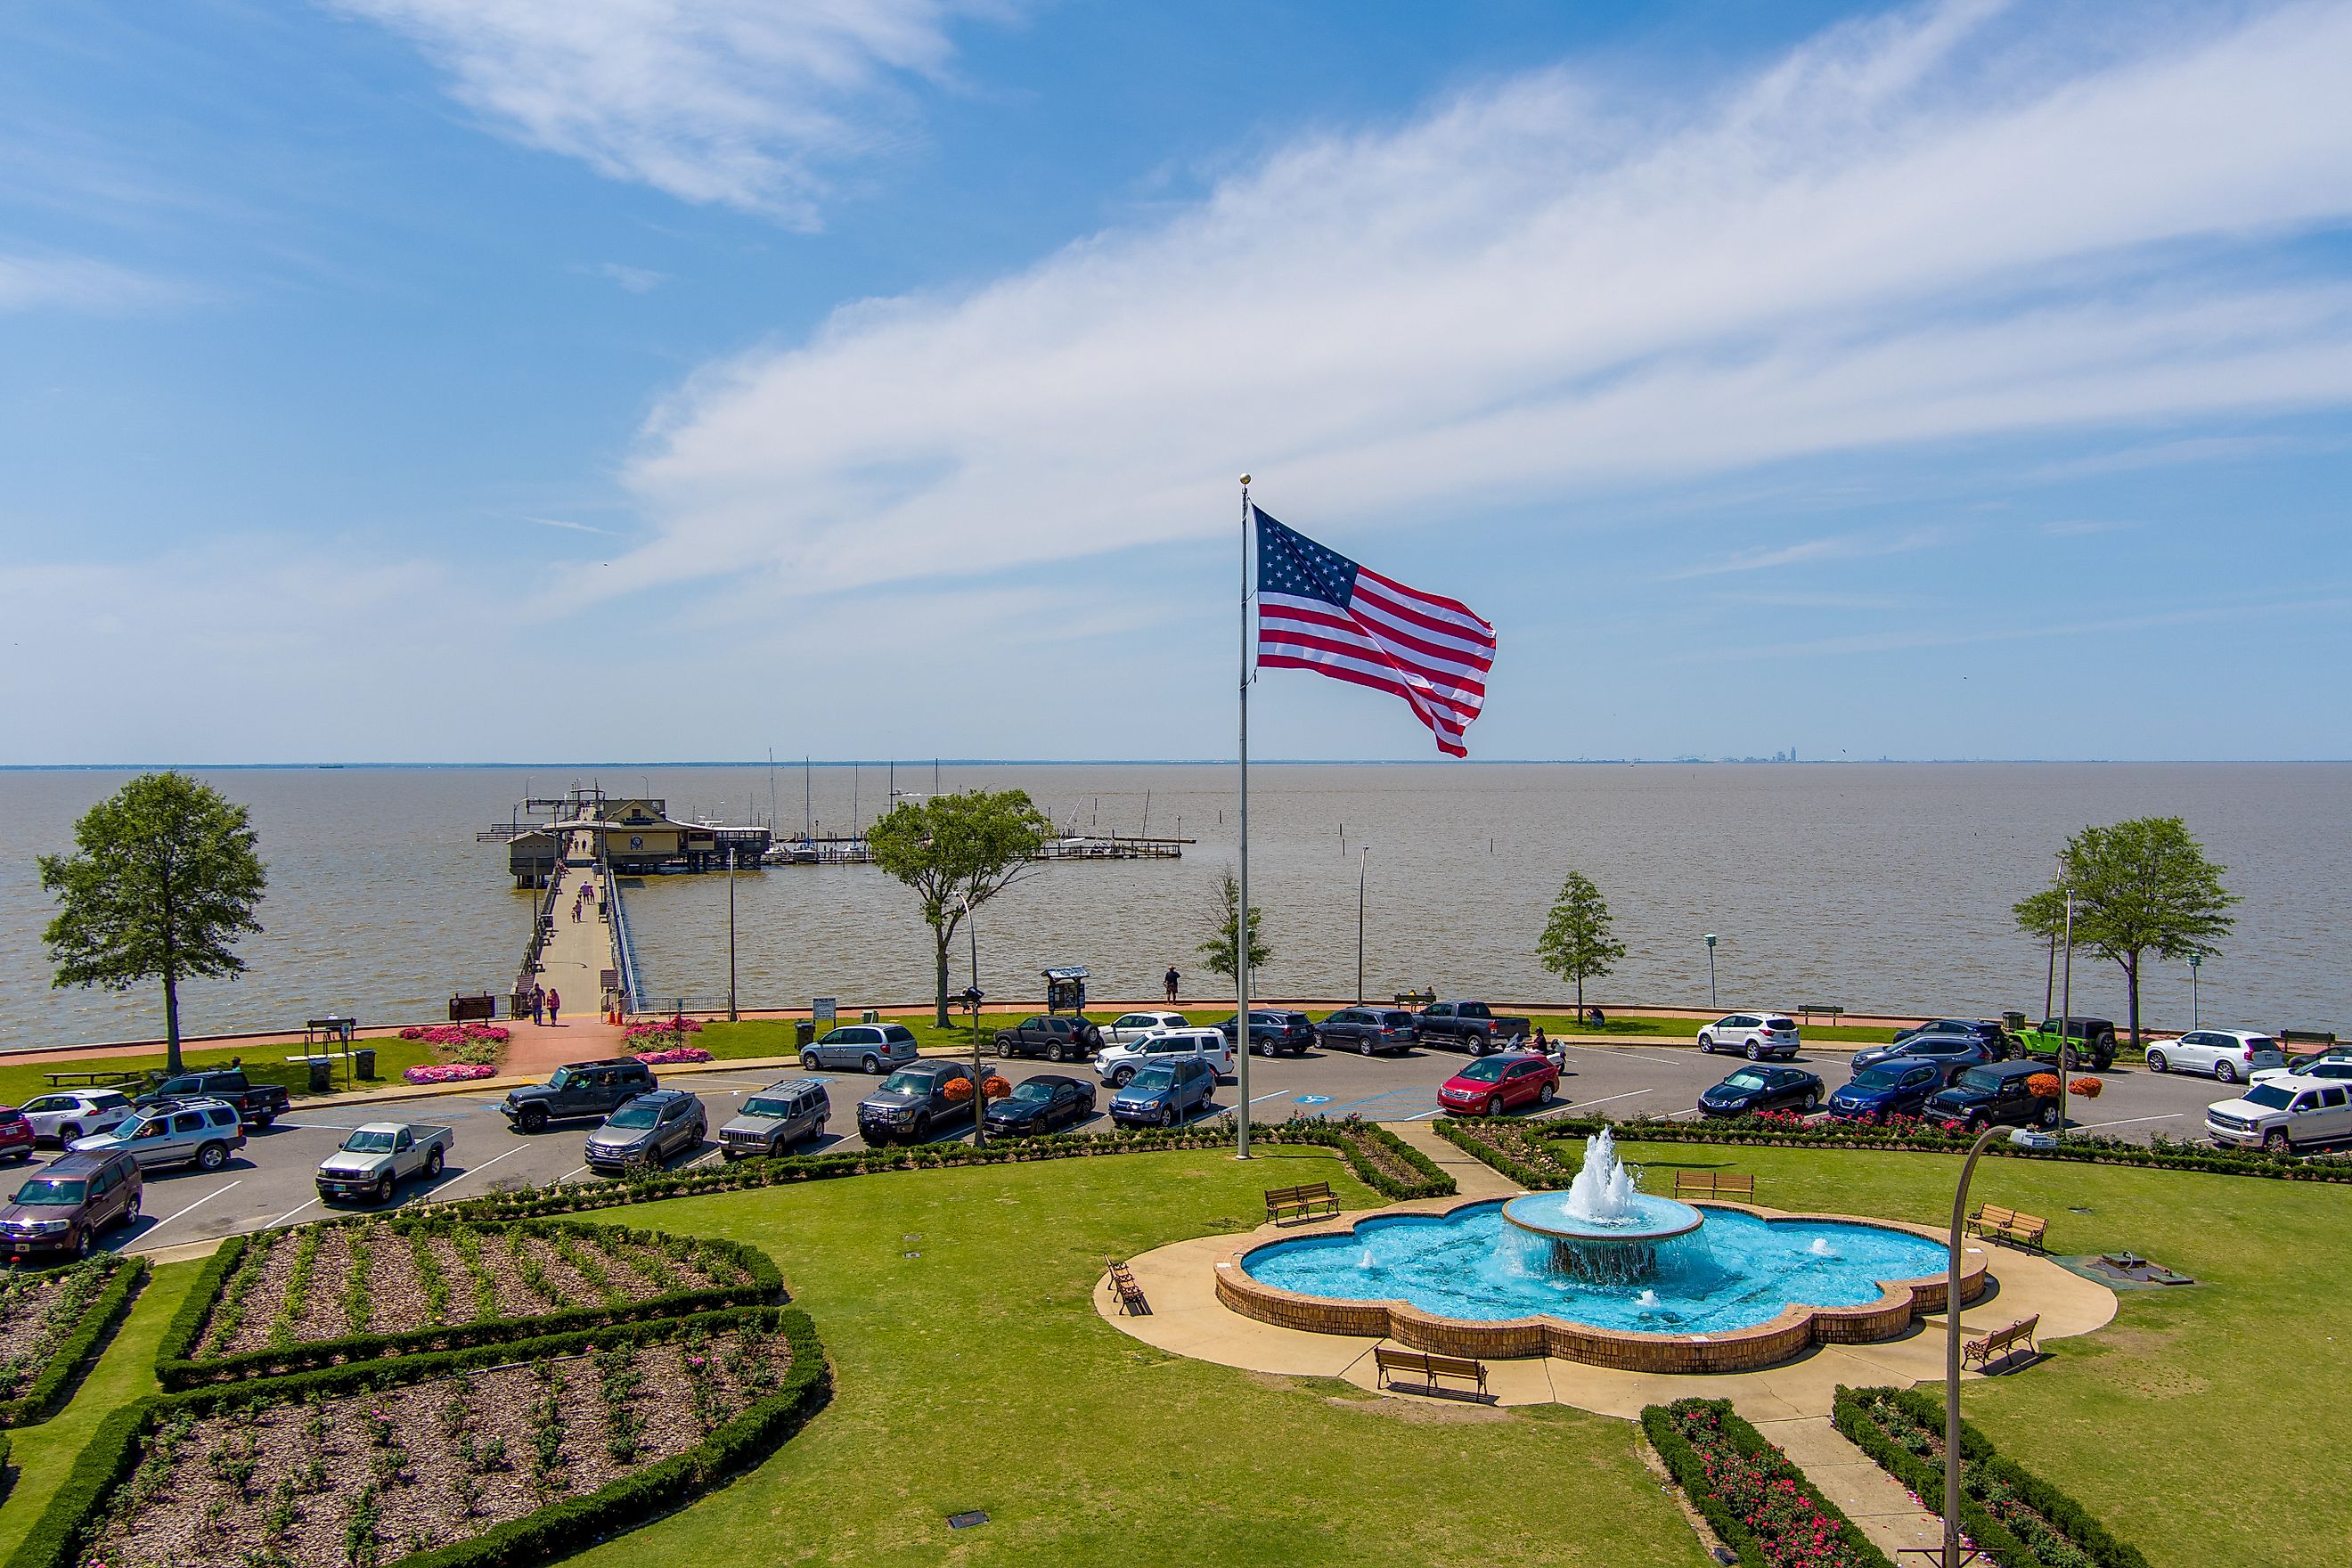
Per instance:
x=1312, y=1100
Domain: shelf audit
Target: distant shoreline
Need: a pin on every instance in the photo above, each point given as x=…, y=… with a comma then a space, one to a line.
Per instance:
x=1214, y=762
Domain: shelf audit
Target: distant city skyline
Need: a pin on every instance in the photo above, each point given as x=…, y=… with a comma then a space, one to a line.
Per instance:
x=419, y=381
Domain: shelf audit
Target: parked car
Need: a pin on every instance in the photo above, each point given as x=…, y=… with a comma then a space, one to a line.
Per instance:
x=1165, y=1093
x=1371, y=1030
x=1751, y=1090
x=2337, y=1069
x=1953, y=1053
x=916, y=1100
x=776, y=1117
x=63, y=1115
x=1984, y=1031
x=868, y=1047
x=2093, y=1036
x=199, y=1132
x=60, y=1210
x=1273, y=1032
x=2283, y=1113
x=1761, y=1036
x=1898, y=1085
x=1130, y=1026
x=258, y=1104
x=1471, y=1026
x=1118, y=1065
x=1492, y=1084
x=1996, y=1092
x=2230, y=1055
x=1040, y=1104
x=378, y=1156
x=16, y=1135
x=647, y=1131
x=1058, y=1039
x=577, y=1089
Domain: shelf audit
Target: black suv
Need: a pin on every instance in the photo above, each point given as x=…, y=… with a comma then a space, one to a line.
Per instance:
x=1272, y=1032
x=577, y=1089
x=258, y=1104
x=1371, y=1029
x=1995, y=1092
x=1062, y=1039
x=916, y=1101
x=59, y=1210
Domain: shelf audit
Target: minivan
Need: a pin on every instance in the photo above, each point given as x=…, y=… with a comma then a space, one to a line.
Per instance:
x=868, y=1047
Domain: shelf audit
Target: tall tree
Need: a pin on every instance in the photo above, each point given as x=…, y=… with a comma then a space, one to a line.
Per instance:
x=956, y=852
x=162, y=882
x=1577, y=943
x=2140, y=886
x=1224, y=920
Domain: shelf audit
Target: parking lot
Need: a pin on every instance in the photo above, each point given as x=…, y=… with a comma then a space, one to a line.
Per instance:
x=269, y=1181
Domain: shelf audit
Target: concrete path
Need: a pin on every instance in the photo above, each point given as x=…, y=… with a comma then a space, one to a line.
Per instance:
x=1473, y=1177
x=1875, y=1500
x=572, y=965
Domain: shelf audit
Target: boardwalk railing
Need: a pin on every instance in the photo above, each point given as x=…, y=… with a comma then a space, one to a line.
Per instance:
x=625, y=946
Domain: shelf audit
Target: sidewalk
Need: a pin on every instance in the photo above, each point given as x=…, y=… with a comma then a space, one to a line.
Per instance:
x=1473, y=1177
x=1875, y=1500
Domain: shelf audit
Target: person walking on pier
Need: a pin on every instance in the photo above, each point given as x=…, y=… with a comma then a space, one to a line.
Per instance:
x=554, y=1003
x=1171, y=979
x=537, y=1003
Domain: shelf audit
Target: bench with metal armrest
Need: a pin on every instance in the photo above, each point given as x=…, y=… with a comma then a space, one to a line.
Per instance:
x=1715, y=1185
x=1428, y=1367
x=1303, y=1201
x=1998, y=1343
x=1996, y=1224
x=1131, y=1300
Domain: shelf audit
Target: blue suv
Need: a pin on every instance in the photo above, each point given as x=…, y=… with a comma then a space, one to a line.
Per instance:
x=1165, y=1093
x=1898, y=1085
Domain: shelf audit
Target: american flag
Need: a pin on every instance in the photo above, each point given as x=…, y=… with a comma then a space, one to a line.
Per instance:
x=1318, y=610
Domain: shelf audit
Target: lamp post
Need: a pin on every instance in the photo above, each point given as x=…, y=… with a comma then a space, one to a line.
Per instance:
x=730, y=934
x=2196, y=1012
x=1710, y=971
x=2066, y=1018
x=1361, y=861
x=971, y=998
x=1952, y=1353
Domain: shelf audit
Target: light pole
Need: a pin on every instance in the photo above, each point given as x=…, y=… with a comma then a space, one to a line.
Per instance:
x=1361, y=861
x=730, y=934
x=2196, y=1012
x=972, y=995
x=2066, y=1017
x=1952, y=1353
x=1710, y=971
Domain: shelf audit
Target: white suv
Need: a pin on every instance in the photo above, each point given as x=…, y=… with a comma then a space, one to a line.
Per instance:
x=2230, y=1056
x=1129, y=1027
x=2338, y=1069
x=1118, y=1065
x=1760, y=1035
x=2283, y=1112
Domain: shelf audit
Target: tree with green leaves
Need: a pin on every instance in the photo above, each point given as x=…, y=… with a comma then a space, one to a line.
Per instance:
x=1577, y=943
x=2140, y=886
x=163, y=880
x=956, y=852
x=1224, y=920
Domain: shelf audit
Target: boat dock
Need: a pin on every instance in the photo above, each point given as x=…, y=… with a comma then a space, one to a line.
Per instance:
x=630, y=837
x=852, y=849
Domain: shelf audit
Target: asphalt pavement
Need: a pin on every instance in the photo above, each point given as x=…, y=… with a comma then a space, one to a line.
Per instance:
x=269, y=1181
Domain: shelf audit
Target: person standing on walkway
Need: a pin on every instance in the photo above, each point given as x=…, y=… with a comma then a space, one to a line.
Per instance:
x=537, y=1003
x=1171, y=979
x=554, y=1003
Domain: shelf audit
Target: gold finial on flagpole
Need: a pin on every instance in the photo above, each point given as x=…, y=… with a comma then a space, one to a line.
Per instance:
x=1245, y=479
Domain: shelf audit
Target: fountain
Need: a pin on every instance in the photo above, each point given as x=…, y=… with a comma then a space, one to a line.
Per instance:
x=1603, y=1228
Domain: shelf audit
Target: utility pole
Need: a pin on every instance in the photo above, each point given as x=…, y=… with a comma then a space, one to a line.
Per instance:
x=730, y=934
x=2066, y=1018
x=1711, y=1002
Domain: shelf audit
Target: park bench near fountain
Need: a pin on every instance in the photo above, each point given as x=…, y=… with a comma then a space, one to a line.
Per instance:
x=2008, y=1225
x=1429, y=1366
x=1302, y=1201
x=2000, y=1343
x=1715, y=1185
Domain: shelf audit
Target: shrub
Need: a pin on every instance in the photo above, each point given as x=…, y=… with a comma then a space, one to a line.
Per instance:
x=62, y=1367
x=1750, y=1493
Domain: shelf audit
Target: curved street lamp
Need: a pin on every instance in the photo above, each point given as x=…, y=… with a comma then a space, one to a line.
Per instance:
x=1711, y=1002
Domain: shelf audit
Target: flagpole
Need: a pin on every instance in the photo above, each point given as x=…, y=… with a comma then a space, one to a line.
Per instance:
x=1241, y=914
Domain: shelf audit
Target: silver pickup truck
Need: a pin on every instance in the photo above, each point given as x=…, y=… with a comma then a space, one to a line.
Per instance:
x=377, y=1157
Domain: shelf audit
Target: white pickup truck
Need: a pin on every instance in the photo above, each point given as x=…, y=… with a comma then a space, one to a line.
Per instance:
x=377, y=1157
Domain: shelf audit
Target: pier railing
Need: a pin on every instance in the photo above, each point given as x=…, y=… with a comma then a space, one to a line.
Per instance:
x=625, y=946
x=542, y=919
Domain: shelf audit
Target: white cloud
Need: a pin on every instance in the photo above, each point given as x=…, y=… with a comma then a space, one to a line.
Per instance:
x=74, y=283
x=636, y=279
x=1814, y=552
x=742, y=102
x=1942, y=226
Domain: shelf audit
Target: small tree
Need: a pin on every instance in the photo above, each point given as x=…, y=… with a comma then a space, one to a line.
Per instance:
x=1225, y=919
x=162, y=882
x=2140, y=886
x=1577, y=943
x=956, y=852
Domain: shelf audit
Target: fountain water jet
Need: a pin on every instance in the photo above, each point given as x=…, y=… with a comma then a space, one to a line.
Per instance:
x=1603, y=1229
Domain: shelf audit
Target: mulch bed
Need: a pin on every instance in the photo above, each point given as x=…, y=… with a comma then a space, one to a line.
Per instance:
x=35, y=1315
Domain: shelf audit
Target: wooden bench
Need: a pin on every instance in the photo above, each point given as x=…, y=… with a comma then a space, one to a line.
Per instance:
x=2001, y=1343
x=103, y=1078
x=1428, y=1367
x=1302, y=1200
x=1416, y=998
x=2007, y=1224
x=1715, y=1185
x=1810, y=1008
x=1131, y=1300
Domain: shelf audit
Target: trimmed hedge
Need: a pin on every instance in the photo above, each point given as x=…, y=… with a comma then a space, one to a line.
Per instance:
x=1508, y=1149
x=1979, y=1463
x=176, y=1369
x=1690, y=1473
x=2079, y=1149
x=63, y=1369
x=59, y=1537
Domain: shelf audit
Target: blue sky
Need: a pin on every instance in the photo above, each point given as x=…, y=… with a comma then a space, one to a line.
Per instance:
x=542, y=379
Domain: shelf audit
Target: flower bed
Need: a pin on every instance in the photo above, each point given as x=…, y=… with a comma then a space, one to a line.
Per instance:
x=2020, y=1519
x=449, y=1072
x=673, y=1054
x=1750, y=1493
x=277, y=1300
x=1509, y=1148
x=477, y=1045
x=663, y=1034
x=484, y=1457
x=51, y=1323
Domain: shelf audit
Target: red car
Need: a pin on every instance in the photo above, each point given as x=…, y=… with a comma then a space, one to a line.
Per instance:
x=1492, y=1084
x=16, y=1135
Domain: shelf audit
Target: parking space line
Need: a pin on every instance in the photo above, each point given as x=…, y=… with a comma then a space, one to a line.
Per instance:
x=2128, y=1120
x=290, y=1214
x=189, y=1209
x=1623, y=1051
x=1583, y=1104
x=469, y=1170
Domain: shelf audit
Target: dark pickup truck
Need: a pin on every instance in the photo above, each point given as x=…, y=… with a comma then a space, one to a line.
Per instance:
x=258, y=1104
x=1470, y=1026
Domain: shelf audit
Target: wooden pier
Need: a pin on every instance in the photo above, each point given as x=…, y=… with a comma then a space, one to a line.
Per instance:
x=852, y=849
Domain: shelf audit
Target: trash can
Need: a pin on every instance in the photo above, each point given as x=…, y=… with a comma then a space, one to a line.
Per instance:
x=363, y=1061
x=322, y=1075
x=804, y=1032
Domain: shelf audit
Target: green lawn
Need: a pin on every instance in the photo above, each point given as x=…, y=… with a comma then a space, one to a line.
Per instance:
x=2190, y=1423
x=20, y=1080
